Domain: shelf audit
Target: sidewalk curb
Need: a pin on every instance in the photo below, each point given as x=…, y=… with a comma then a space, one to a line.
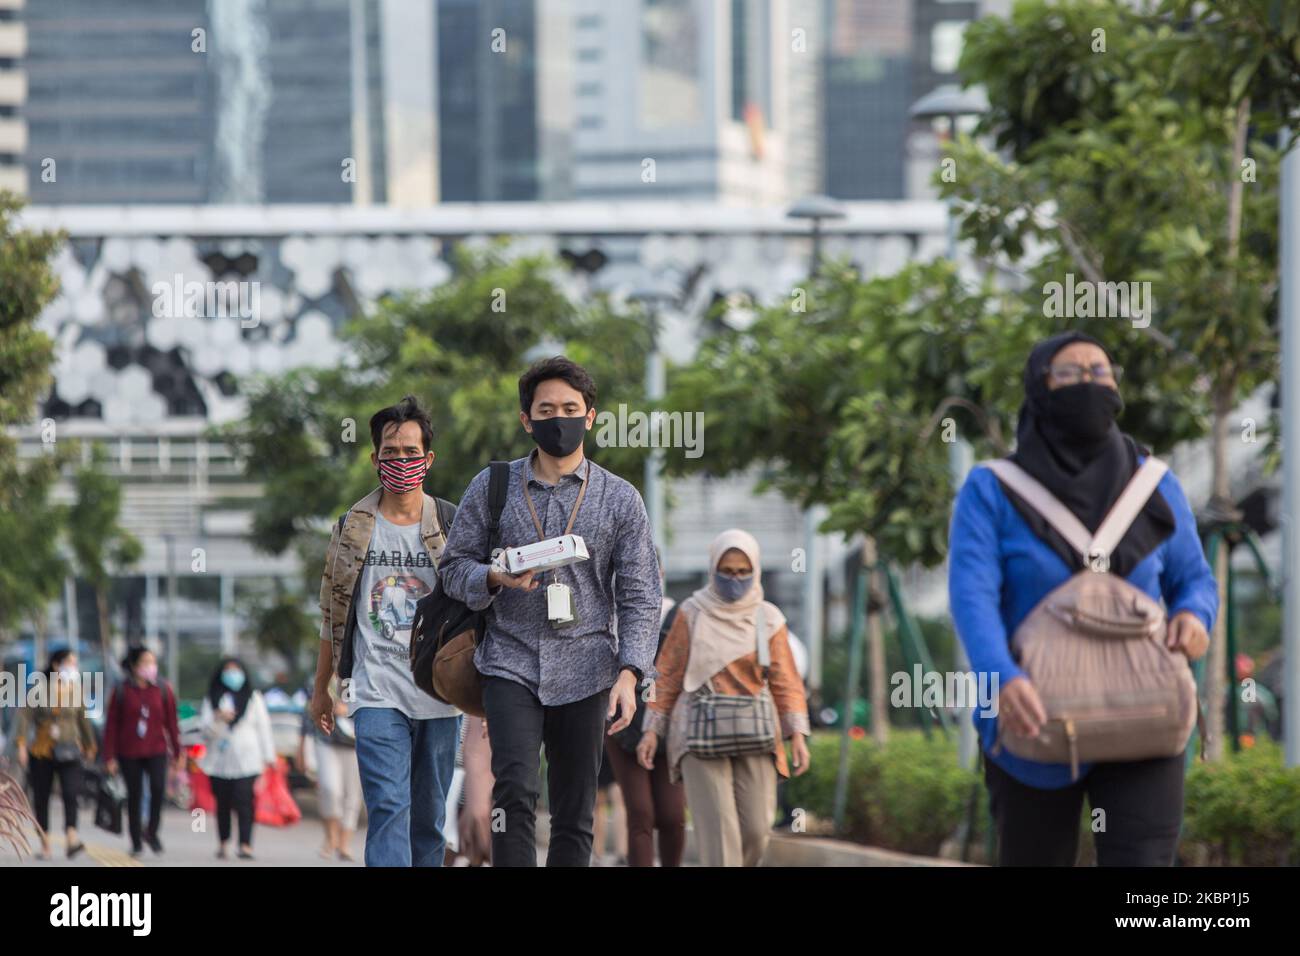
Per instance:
x=791, y=850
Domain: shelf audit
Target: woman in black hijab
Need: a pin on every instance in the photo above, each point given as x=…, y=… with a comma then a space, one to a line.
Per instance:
x=229, y=684
x=1067, y=439
x=1004, y=559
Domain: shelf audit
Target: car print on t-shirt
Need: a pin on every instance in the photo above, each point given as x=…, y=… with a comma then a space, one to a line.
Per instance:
x=393, y=596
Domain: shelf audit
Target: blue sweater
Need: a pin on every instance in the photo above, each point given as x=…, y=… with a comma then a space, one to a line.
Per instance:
x=998, y=571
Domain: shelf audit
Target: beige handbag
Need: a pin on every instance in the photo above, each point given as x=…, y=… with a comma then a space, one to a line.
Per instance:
x=732, y=725
x=1094, y=647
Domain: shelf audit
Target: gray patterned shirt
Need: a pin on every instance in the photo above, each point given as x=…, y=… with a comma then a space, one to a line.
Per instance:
x=616, y=592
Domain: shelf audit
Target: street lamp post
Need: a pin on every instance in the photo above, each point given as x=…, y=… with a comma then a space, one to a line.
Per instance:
x=173, y=641
x=814, y=209
x=951, y=102
x=1289, y=269
x=652, y=296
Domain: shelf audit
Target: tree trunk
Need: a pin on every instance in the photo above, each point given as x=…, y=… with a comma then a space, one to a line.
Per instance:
x=878, y=692
x=106, y=648
x=1235, y=184
x=1222, y=508
x=38, y=643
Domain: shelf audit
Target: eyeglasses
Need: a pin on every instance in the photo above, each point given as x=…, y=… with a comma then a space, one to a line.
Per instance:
x=1069, y=373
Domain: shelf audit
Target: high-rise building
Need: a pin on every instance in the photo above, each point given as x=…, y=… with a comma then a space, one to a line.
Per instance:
x=119, y=106
x=412, y=101
x=13, y=91
x=504, y=119
x=226, y=101
x=704, y=99
x=868, y=89
x=883, y=56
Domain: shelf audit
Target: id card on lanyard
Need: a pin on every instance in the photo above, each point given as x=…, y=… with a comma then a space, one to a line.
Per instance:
x=560, y=609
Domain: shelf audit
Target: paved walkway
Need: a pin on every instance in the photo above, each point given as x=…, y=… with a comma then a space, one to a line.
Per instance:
x=296, y=845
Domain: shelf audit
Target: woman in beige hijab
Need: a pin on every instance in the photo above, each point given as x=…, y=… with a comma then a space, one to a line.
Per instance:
x=713, y=644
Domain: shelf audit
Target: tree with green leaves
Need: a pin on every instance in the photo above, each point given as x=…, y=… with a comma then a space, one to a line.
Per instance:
x=843, y=404
x=846, y=394
x=282, y=625
x=1139, y=145
x=32, y=574
x=30, y=567
x=460, y=349
x=1114, y=162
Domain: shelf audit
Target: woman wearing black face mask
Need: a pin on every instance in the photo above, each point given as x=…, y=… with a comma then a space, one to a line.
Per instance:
x=1004, y=558
x=713, y=648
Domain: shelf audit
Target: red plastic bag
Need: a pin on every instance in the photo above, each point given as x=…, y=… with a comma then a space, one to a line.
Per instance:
x=201, y=797
x=273, y=804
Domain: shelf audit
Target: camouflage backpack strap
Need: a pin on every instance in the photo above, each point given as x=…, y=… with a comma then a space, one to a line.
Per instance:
x=446, y=512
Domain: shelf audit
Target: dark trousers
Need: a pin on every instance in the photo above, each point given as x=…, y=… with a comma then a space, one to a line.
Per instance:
x=1142, y=812
x=653, y=803
x=134, y=770
x=42, y=772
x=234, y=793
x=573, y=735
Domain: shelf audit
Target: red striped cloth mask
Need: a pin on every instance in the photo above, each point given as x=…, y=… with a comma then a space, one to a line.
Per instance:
x=400, y=475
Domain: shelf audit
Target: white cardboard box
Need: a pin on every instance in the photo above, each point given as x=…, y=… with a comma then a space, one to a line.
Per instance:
x=545, y=555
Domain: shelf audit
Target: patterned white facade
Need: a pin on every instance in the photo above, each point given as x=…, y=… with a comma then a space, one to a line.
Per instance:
x=142, y=375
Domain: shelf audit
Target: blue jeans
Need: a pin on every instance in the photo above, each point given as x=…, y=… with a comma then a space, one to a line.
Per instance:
x=406, y=768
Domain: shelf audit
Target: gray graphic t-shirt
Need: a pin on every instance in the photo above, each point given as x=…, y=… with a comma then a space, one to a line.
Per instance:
x=397, y=573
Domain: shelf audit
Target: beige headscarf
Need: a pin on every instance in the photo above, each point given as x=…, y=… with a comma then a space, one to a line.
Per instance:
x=723, y=631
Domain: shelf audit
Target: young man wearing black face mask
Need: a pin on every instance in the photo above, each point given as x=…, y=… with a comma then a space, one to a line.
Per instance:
x=380, y=562
x=546, y=682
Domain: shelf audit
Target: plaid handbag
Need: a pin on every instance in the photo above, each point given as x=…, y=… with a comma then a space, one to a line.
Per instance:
x=725, y=725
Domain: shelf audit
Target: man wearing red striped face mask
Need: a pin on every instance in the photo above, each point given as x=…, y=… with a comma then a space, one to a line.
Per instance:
x=381, y=560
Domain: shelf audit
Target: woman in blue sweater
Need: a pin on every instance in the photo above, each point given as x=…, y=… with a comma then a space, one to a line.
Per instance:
x=1004, y=558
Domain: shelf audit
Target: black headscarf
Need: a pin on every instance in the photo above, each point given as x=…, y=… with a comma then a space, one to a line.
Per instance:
x=217, y=689
x=1085, y=474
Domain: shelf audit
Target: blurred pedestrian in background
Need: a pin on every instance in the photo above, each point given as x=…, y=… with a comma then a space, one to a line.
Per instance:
x=52, y=741
x=652, y=801
x=469, y=802
x=728, y=646
x=338, y=780
x=610, y=817
x=140, y=733
x=236, y=726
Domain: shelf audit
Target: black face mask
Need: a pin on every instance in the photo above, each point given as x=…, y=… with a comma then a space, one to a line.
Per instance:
x=1084, y=411
x=559, y=437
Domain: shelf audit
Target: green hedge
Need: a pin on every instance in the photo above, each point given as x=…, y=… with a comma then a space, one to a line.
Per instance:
x=909, y=796
x=1243, y=811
